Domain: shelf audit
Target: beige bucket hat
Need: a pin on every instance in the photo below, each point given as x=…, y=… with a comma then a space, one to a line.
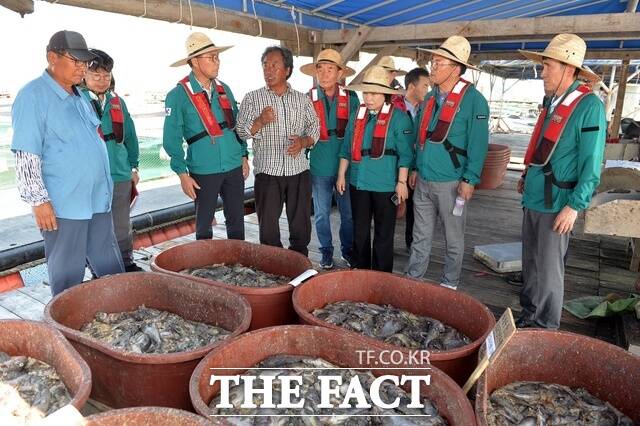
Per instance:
x=566, y=48
x=456, y=48
x=327, y=56
x=388, y=64
x=375, y=81
x=198, y=44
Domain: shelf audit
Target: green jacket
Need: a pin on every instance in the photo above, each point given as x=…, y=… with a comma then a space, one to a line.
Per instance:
x=469, y=131
x=122, y=156
x=380, y=175
x=182, y=122
x=324, y=156
x=577, y=158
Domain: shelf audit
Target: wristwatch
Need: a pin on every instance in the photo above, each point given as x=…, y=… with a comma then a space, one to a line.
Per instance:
x=465, y=180
x=134, y=170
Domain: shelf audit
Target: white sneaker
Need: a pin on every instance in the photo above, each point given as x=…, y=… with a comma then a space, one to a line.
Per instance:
x=452, y=287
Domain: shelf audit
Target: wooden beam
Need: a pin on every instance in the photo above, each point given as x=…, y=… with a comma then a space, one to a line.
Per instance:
x=354, y=45
x=202, y=17
x=21, y=6
x=385, y=51
x=611, y=26
x=591, y=54
x=632, y=5
x=622, y=90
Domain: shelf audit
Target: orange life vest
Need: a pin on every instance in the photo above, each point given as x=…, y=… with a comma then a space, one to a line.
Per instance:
x=342, y=113
x=202, y=104
x=447, y=115
x=380, y=130
x=541, y=146
x=117, y=119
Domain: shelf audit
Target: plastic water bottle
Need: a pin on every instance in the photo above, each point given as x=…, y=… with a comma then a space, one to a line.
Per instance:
x=459, y=207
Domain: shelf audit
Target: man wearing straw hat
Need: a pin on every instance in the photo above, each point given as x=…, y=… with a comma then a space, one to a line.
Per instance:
x=333, y=105
x=451, y=146
x=282, y=123
x=563, y=164
x=389, y=65
x=201, y=110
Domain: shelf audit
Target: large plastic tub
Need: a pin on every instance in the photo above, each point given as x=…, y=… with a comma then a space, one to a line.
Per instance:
x=334, y=346
x=270, y=306
x=146, y=416
x=38, y=340
x=495, y=166
x=606, y=371
x=455, y=308
x=123, y=379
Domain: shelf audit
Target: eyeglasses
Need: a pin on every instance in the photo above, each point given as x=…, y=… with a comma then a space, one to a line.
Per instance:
x=212, y=58
x=77, y=62
x=438, y=64
x=97, y=77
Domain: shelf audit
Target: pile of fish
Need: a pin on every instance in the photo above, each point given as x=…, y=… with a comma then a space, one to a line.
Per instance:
x=29, y=390
x=536, y=404
x=310, y=368
x=392, y=325
x=150, y=331
x=238, y=275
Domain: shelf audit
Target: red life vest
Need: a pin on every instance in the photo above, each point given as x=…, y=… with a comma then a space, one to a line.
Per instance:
x=379, y=134
x=117, y=119
x=447, y=115
x=202, y=105
x=342, y=113
x=539, y=154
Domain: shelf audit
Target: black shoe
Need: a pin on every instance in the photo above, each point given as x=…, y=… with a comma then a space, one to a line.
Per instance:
x=524, y=321
x=515, y=278
x=133, y=268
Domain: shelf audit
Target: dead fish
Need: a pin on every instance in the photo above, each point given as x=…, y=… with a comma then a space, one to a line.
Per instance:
x=238, y=275
x=392, y=325
x=29, y=390
x=537, y=403
x=150, y=331
x=310, y=369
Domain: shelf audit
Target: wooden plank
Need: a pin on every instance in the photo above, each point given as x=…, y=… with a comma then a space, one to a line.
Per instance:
x=40, y=292
x=20, y=304
x=353, y=46
x=203, y=17
x=6, y=314
x=619, y=26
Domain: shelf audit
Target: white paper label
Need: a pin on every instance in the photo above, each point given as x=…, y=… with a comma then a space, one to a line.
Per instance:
x=491, y=345
x=303, y=277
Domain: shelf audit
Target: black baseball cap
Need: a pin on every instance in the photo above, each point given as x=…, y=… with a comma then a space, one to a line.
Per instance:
x=72, y=42
x=102, y=60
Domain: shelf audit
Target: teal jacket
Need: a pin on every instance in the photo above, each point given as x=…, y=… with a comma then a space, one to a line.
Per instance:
x=469, y=131
x=577, y=158
x=122, y=156
x=181, y=122
x=380, y=175
x=324, y=157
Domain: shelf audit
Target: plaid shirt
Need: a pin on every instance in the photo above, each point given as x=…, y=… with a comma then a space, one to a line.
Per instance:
x=295, y=116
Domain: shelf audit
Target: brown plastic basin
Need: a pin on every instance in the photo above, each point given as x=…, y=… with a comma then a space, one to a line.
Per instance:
x=38, y=340
x=122, y=379
x=495, y=166
x=452, y=307
x=334, y=346
x=146, y=416
x=606, y=371
x=270, y=306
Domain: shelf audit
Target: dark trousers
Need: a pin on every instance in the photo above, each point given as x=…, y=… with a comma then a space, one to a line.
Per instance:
x=408, y=221
x=271, y=193
x=367, y=205
x=77, y=242
x=230, y=186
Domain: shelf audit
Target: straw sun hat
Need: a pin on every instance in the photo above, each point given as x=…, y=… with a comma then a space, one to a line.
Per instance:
x=388, y=64
x=376, y=80
x=198, y=44
x=456, y=48
x=566, y=48
x=327, y=56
